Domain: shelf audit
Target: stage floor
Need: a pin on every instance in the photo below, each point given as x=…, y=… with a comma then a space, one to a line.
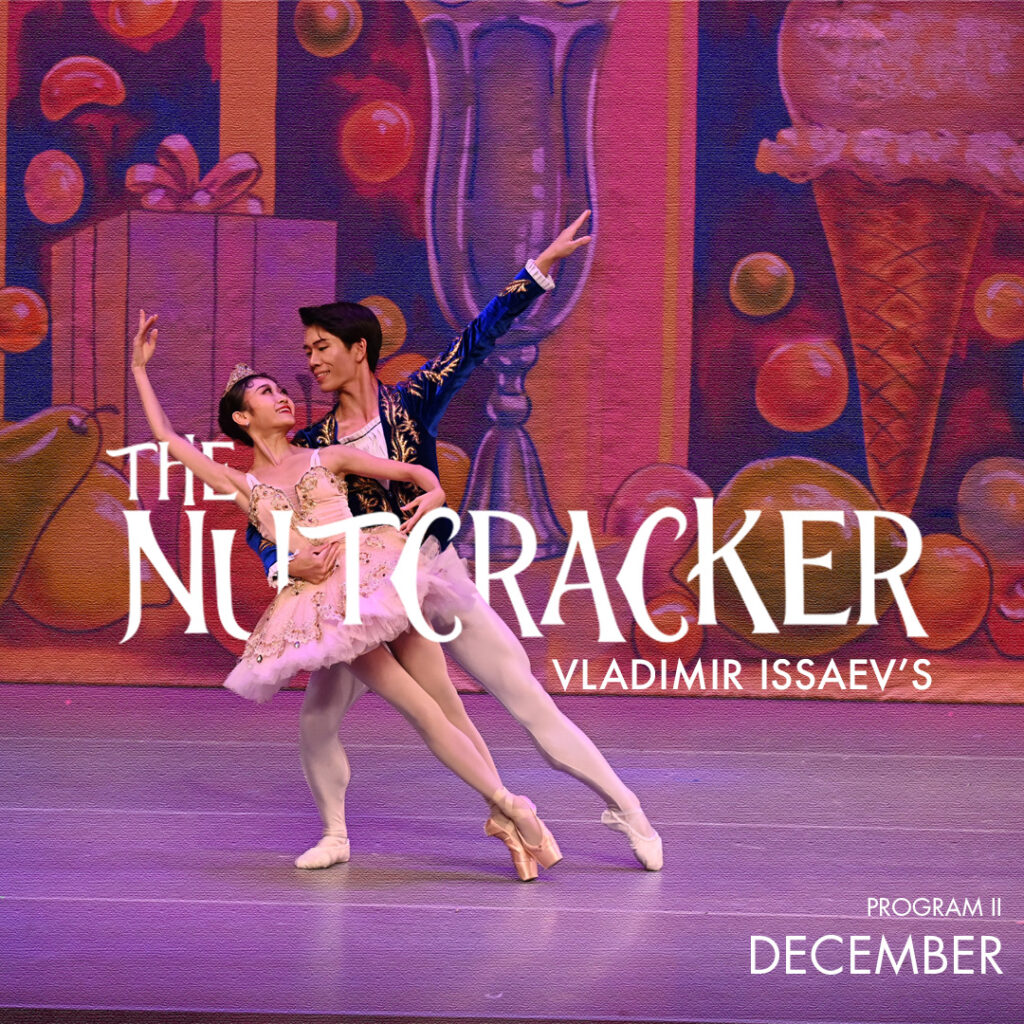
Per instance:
x=148, y=836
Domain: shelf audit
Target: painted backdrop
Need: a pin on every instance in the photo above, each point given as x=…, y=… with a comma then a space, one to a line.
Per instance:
x=805, y=291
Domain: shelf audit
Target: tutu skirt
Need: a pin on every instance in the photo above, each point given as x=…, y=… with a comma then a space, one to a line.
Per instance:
x=304, y=628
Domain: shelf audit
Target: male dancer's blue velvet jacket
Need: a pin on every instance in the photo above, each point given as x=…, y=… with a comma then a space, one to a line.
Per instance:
x=411, y=410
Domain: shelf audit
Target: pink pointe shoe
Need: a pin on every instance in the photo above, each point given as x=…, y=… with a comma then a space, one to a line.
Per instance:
x=646, y=849
x=546, y=852
x=503, y=828
x=525, y=857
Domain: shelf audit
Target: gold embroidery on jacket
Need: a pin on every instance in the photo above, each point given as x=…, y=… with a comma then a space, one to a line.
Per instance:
x=405, y=443
x=322, y=434
x=513, y=287
x=438, y=370
x=403, y=493
x=405, y=437
x=326, y=432
x=366, y=495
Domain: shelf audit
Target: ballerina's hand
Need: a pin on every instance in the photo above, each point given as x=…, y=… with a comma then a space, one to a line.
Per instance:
x=421, y=505
x=144, y=343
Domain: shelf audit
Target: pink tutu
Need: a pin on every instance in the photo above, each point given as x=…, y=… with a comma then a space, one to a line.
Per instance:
x=304, y=627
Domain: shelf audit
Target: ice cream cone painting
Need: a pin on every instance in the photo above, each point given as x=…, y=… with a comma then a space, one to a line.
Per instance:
x=901, y=255
x=908, y=119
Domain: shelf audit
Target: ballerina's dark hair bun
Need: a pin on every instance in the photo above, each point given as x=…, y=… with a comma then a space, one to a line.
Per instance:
x=232, y=401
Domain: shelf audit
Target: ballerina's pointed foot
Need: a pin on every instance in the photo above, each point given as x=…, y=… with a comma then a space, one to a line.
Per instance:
x=511, y=815
x=503, y=828
x=646, y=844
x=329, y=851
x=546, y=852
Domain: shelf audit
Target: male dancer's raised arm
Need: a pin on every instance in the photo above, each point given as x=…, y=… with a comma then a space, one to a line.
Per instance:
x=420, y=400
x=428, y=390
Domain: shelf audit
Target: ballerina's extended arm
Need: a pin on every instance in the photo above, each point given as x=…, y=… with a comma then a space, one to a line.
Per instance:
x=219, y=477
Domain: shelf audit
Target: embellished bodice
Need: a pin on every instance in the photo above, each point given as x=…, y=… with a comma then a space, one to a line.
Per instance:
x=319, y=497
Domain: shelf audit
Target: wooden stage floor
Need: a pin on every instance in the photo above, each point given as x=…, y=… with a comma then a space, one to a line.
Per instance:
x=147, y=839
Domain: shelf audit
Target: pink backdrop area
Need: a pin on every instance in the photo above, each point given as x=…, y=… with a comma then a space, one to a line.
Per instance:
x=304, y=171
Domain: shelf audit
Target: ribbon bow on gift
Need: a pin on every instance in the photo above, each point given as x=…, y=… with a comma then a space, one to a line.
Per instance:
x=173, y=183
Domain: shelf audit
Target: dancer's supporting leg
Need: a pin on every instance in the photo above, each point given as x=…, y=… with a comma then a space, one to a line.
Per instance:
x=330, y=693
x=380, y=672
x=489, y=651
x=424, y=661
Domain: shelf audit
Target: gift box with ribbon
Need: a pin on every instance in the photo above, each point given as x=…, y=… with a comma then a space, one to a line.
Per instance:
x=173, y=182
x=225, y=281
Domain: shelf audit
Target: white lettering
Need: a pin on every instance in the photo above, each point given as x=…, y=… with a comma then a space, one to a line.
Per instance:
x=506, y=576
x=794, y=561
x=754, y=940
x=631, y=576
x=704, y=570
x=141, y=541
x=582, y=541
x=894, y=576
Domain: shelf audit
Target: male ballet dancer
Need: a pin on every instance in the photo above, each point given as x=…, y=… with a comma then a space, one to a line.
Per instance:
x=342, y=342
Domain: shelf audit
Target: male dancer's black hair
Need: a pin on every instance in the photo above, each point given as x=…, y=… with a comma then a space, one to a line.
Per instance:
x=349, y=321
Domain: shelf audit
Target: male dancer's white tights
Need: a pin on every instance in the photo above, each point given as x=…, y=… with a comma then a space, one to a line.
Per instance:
x=490, y=652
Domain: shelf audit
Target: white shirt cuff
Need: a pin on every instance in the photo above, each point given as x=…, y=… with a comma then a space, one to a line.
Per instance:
x=272, y=575
x=543, y=280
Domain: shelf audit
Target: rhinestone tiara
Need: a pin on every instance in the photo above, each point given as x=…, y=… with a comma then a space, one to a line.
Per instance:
x=240, y=371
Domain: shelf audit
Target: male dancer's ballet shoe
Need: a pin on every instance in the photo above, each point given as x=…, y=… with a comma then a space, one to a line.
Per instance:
x=504, y=828
x=646, y=849
x=329, y=851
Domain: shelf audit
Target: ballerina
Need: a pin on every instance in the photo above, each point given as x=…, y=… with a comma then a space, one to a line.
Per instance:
x=304, y=628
